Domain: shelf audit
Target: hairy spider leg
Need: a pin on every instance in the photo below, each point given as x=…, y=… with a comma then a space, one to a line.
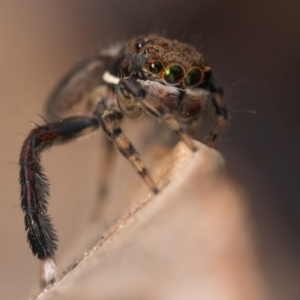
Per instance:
x=108, y=117
x=221, y=114
x=41, y=235
x=153, y=108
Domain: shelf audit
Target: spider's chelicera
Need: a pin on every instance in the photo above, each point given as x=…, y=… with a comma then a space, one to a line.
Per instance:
x=165, y=79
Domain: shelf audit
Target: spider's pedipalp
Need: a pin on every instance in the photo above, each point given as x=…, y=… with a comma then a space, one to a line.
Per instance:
x=133, y=89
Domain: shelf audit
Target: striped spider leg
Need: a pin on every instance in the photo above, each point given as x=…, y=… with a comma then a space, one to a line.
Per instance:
x=217, y=99
x=108, y=118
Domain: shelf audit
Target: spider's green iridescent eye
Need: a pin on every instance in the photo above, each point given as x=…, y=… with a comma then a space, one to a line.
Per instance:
x=155, y=67
x=195, y=76
x=174, y=74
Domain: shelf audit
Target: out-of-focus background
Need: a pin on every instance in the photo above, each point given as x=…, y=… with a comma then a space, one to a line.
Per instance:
x=254, y=49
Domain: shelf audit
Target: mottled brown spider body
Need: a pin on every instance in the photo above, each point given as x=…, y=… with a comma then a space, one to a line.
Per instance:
x=159, y=63
x=165, y=79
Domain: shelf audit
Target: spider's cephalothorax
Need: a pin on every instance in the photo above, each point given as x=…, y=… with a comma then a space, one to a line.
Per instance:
x=173, y=72
x=165, y=79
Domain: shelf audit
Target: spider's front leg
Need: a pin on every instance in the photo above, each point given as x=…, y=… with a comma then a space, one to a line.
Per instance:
x=41, y=235
x=108, y=117
x=131, y=92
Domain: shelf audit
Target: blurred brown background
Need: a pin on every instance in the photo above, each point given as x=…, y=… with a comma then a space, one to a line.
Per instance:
x=254, y=49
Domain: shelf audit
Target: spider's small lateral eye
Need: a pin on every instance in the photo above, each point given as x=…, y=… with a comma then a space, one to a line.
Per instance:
x=195, y=76
x=174, y=74
x=140, y=43
x=155, y=67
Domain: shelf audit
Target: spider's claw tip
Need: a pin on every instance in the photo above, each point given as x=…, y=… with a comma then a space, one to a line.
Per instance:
x=49, y=271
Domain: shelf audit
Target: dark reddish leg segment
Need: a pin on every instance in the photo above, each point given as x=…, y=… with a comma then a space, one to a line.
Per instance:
x=41, y=235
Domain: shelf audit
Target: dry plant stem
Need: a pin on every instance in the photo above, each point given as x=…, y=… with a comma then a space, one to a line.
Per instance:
x=192, y=241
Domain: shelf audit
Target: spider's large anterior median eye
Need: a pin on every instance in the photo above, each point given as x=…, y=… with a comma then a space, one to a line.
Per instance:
x=195, y=76
x=155, y=67
x=174, y=74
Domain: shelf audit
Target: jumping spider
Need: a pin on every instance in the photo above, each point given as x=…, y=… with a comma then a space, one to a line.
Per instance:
x=165, y=79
